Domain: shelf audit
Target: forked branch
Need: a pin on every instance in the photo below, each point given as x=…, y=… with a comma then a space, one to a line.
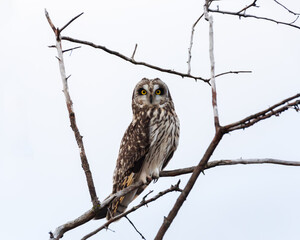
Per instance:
x=78, y=137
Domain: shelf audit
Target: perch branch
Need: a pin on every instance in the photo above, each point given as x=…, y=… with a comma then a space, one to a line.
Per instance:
x=142, y=203
x=90, y=214
x=69, y=103
x=212, y=164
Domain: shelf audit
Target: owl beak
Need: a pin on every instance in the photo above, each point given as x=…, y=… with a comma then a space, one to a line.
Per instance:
x=151, y=99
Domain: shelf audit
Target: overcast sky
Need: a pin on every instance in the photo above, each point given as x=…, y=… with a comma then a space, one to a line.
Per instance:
x=42, y=184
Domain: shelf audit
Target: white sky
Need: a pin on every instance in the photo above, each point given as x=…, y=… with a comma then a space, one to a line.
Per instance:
x=41, y=180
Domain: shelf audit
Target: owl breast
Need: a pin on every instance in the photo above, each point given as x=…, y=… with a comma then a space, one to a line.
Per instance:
x=164, y=135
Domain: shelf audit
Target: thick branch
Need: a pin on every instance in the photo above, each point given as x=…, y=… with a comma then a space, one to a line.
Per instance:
x=212, y=164
x=182, y=197
x=253, y=16
x=143, y=203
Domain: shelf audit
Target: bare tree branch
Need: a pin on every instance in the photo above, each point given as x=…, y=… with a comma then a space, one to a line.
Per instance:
x=253, y=4
x=90, y=214
x=253, y=16
x=132, y=224
x=142, y=203
x=182, y=197
x=212, y=66
x=78, y=137
x=290, y=11
x=212, y=164
x=192, y=39
x=131, y=60
x=274, y=110
x=68, y=23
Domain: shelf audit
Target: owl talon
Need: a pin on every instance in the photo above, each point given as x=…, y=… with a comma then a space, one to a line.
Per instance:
x=148, y=179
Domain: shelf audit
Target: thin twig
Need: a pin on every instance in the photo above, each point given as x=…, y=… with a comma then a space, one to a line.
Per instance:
x=232, y=72
x=134, y=51
x=143, y=203
x=68, y=23
x=132, y=224
x=253, y=16
x=71, y=49
x=192, y=40
x=290, y=11
x=253, y=4
x=212, y=164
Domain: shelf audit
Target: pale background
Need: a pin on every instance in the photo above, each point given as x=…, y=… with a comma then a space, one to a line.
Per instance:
x=41, y=181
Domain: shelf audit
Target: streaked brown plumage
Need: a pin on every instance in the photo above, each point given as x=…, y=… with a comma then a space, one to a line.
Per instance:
x=148, y=143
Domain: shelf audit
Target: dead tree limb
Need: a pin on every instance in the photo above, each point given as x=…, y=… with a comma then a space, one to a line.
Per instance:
x=133, y=61
x=90, y=214
x=142, y=203
x=78, y=137
x=212, y=164
x=253, y=16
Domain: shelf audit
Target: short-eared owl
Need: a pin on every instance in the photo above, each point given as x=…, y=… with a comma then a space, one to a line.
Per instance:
x=148, y=143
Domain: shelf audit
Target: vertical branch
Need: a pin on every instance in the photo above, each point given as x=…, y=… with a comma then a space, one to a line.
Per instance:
x=209, y=18
x=78, y=137
x=214, y=143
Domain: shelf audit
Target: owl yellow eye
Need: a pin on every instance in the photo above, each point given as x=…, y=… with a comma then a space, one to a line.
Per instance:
x=158, y=92
x=143, y=91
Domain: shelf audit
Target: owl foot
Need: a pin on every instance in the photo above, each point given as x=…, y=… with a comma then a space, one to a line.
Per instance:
x=148, y=179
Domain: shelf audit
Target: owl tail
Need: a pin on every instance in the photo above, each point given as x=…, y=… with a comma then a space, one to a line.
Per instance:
x=120, y=205
x=101, y=214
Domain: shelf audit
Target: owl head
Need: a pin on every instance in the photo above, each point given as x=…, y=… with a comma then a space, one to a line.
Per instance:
x=151, y=93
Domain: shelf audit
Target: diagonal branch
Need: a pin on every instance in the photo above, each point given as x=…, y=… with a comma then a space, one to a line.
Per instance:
x=212, y=164
x=131, y=60
x=90, y=214
x=290, y=11
x=142, y=203
x=253, y=4
x=274, y=110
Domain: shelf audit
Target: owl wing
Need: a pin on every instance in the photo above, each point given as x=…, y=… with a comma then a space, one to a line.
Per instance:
x=134, y=147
